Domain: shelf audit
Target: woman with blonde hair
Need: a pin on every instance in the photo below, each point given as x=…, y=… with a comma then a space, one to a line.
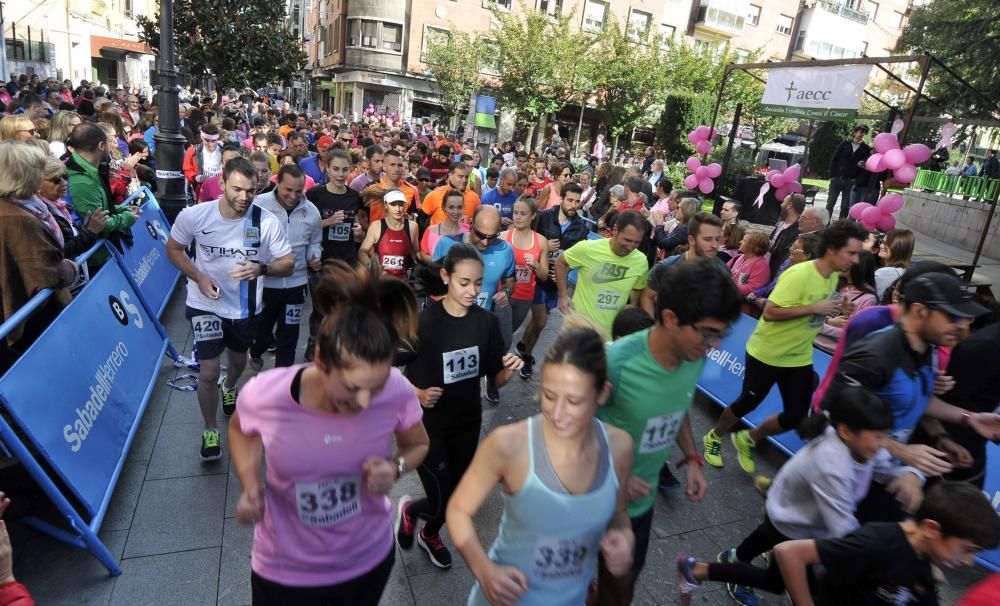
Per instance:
x=17, y=128
x=76, y=240
x=61, y=125
x=896, y=253
x=33, y=245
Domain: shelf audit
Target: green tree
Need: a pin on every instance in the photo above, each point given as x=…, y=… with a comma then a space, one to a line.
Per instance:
x=238, y=42
x=627, y=78
x=455, y=62
x=540, y=63
x=825, y=140
x=682, y=111
x=964, y=34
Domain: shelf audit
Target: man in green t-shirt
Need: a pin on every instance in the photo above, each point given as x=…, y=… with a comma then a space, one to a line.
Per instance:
x=612, y=272
x=780, y=349
x=654, y=374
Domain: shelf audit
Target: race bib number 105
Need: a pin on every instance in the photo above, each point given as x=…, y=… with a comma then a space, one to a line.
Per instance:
x=328, y=502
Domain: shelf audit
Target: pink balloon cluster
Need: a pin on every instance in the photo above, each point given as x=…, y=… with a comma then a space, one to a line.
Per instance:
x=785, y=182
x=902, y=162
x=702, y=176
x=878, y=216
x=701, y=138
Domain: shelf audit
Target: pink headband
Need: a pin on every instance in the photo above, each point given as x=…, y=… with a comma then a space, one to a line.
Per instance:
x=208, y=137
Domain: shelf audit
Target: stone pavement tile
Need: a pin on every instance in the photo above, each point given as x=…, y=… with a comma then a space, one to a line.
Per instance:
x=178, y=514
x=659, y=576
x=731, y=535
x=397, y=589
x=182, y=407
x=126, y=497
x=234, y=570
x=149, y=427
x=437, y=588
x=189, y=577
x=176, y=453
x=728, y=500
x=56, y=573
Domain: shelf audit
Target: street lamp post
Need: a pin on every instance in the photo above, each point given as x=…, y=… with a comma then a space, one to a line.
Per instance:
x=170, y=183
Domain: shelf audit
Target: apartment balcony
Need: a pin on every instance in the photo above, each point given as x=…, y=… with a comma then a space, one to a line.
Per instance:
x=722, y=18
x=830, y=30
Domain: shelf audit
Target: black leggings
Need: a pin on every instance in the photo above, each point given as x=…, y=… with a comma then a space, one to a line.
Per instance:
x=451, y=451
x=742, y=572
x=795, y=384
x=364, y=590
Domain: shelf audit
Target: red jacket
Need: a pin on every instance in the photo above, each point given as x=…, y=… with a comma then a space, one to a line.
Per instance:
x=15, y=594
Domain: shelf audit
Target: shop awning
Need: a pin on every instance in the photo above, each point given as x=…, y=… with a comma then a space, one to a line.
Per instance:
x=99, y=43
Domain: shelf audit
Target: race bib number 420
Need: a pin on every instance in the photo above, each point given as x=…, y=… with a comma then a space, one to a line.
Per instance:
x=206, y=328
x=559, y=558
x=460, y=364
x=660, y=432
x=328, y=502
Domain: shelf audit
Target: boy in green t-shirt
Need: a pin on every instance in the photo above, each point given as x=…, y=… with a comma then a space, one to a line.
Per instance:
x=612, y=272
x=653, y=374
x=780, y=349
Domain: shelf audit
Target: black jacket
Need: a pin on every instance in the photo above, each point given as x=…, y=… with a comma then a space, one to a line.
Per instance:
x=782, y=245
x=845, y=160
x=547, y=225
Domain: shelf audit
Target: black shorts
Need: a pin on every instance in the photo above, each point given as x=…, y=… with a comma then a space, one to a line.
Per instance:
x=213, y=334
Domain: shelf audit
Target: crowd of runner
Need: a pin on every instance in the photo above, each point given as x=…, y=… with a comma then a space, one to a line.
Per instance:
x=424, y=256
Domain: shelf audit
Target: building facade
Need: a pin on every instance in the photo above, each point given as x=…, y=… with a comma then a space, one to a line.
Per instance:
x=79, y=40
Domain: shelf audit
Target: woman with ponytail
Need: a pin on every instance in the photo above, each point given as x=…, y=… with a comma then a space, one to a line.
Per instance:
x=815, y=493
x=326, y=432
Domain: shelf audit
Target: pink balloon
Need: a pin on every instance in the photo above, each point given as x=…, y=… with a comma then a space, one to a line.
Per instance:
x=781, y=193
x=691, y=181
x=792, y=173
x=702, y=133
x=795, y=187
x=701, y=172
x=706, y=185
x=875, y=163
x=905, y=173
x=917, y=153
x=859, y=208
x=883, y=142
x=693, y=163
x=894, y=158
x=778, y=181
x=890, y=203
x=871, y=215
x=714, y=170
x=886, y=223
x=693, y=137
x=704, y=147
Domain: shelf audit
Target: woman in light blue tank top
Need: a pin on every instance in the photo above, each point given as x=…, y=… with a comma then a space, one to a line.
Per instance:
x=564, y=501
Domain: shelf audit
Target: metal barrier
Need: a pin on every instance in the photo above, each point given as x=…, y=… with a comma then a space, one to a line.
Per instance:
x=973, y=187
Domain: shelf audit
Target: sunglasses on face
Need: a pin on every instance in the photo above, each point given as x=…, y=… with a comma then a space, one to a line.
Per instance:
x=485, y=237
x=57, y=180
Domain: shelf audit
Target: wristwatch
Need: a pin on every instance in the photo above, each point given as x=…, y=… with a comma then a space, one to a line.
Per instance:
x=400, y=466
x=263, y=269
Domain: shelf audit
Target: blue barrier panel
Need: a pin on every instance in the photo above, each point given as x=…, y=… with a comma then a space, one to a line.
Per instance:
x=145, y=261
x=722, y=380
x=80, y=413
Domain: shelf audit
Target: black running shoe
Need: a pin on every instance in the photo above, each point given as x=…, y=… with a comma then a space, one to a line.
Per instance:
x=436, y=551
x=527, y=370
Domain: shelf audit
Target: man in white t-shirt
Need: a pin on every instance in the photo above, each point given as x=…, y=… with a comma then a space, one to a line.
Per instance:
x=234, y=244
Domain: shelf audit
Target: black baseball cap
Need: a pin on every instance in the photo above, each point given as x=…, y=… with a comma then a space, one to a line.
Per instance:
x=944, y=292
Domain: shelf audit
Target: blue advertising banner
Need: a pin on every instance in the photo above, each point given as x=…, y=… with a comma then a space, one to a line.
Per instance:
x=85, y=432
x=991, y=487
x=146, y=260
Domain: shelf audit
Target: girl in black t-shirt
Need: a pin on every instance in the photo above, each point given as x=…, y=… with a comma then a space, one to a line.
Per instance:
x=458, y=342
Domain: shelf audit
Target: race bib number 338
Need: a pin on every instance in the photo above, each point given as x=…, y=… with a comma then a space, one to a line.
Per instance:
x=328, y=502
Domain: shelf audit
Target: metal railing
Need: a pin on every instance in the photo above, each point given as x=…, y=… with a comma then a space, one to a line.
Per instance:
x=983, y=188
x=844, y=11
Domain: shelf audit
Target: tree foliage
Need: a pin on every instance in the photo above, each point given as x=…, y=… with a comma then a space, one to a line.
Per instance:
x=682, y=111
x=238, y=42
x=454, y=62
x=627, y=76
x=963, y=34
x=824, y=142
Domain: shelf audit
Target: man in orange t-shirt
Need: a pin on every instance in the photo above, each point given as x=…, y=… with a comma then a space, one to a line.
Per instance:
x=458, y=178
x=393, y=177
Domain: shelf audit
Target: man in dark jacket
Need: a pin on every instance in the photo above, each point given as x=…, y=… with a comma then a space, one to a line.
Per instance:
x=991, y=166
x=786, y=231
x=845, y=168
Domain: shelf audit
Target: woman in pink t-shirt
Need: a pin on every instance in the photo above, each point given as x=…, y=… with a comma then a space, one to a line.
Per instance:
x=323, y=520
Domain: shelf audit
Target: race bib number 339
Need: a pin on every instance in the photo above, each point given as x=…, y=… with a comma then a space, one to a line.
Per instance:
x=559, y=558
x=328, y=502
x=460, y=364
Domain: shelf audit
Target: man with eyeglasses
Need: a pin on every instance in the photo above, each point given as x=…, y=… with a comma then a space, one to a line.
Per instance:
x=654, y=374
x=899, y=364
x=132, y=112
x=780, y=349
x=498, y=270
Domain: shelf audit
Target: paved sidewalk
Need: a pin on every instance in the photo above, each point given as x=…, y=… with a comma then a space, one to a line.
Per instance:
x=171, y=523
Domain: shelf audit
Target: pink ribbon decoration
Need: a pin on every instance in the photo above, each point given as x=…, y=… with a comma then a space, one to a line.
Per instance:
x=759, y=202
x=897, y=126
x=947, y=131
